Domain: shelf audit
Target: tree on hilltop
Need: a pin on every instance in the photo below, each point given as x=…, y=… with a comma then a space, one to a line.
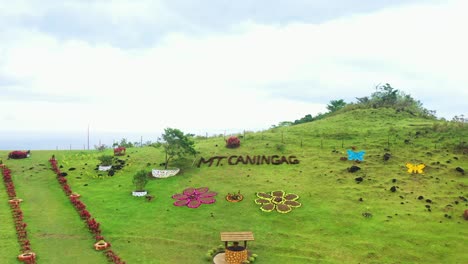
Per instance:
x=386, y=96
x=335, y=105
x=175, y=144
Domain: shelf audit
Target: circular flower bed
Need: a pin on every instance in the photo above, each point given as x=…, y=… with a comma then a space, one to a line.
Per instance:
x=194, y=197
x=234, y=197
x=279, y=200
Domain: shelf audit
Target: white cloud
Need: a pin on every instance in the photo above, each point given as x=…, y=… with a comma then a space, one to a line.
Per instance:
x=224, y=80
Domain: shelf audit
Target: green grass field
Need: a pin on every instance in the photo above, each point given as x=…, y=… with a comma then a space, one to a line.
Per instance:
x=329, y=227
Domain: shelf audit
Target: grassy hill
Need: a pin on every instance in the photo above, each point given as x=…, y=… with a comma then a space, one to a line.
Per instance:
x=341, y=220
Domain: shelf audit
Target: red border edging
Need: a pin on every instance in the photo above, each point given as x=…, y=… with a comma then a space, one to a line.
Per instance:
x=93, y=225
x=27, y=256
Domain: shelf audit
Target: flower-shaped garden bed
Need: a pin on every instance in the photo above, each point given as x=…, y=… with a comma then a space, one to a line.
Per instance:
x=279, y=200
x=194, y=197
x=234, y=197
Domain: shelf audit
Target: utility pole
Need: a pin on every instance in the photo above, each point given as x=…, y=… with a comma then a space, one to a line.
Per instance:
x=88, y=136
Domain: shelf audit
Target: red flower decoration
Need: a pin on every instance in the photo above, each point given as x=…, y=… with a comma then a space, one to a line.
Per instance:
x=233, y=142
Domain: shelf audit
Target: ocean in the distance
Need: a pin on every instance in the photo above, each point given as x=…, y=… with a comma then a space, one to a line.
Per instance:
x=67, y=141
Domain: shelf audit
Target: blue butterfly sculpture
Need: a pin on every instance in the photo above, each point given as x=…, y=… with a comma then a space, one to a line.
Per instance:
x=352, y=155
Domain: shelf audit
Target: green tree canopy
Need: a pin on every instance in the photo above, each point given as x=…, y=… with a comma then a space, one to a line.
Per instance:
x=176, y=144
x=386, y=96
x=336, y=105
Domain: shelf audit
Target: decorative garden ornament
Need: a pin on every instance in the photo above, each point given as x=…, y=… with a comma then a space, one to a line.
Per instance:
x=101, y=245
x=120, y=151
x=104, y=168
x=164, y=173
x=279, y=200
x=106, y=162
x=18, y=154
x=358, y=156
x=413, y=168
x=140, y=179
x=233, y=142
x=194, y=197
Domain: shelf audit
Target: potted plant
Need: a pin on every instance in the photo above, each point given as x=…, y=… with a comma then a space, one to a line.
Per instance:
x=140, y=179
x=106, y=162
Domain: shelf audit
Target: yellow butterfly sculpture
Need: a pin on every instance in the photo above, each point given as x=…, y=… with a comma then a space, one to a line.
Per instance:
x=413, y=168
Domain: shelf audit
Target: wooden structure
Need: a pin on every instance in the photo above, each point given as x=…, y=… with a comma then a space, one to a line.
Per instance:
x=235, y=254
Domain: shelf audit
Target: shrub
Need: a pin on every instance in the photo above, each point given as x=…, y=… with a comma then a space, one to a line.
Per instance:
x=280, y=147
x=140, y=179
x=18, y=154
x=106, y=160
x=233, y=142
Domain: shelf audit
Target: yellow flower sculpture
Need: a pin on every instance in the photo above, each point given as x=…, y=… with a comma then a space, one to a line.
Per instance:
x=283, y=203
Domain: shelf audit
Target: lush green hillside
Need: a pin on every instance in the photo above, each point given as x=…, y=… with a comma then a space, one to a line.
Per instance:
x=341, y=220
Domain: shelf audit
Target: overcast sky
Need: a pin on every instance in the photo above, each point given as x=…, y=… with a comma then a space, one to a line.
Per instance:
x=142, y=66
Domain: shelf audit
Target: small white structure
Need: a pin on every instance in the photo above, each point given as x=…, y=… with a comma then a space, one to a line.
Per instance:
x=105, y=168
x=164, y=173
x=139, y=193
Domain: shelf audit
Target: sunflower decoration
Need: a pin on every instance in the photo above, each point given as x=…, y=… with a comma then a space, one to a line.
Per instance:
x=279, y=200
